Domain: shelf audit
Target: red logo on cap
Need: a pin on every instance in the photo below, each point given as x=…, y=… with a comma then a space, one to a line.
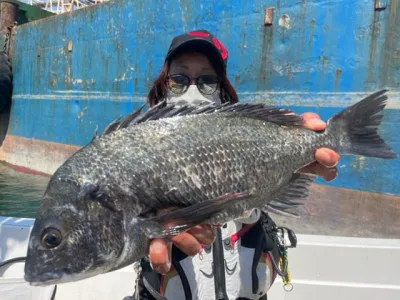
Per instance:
x=220, y=47
x=198, y=33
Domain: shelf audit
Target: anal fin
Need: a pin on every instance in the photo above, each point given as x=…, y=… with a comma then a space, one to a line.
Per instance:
x=291, y=195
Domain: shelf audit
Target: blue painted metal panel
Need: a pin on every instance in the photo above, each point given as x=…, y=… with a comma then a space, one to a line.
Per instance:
x=328, y=51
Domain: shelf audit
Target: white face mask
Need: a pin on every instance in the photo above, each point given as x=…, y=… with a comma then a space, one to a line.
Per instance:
x=192, y=96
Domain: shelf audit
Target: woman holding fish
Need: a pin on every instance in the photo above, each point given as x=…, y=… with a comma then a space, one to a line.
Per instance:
x=238, y=260
x=109, y=205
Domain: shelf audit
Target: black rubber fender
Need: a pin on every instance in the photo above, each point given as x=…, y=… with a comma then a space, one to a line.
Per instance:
x=6, y=81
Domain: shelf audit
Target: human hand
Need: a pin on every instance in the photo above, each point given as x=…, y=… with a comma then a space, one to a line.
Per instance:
x=189, y=242
x=326, y=159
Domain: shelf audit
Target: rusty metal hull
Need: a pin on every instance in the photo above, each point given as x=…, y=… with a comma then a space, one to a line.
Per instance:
x=8, y=15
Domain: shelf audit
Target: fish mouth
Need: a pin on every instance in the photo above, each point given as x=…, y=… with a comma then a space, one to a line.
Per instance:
x=43, y=279
x=55, y=276
x=47, y=278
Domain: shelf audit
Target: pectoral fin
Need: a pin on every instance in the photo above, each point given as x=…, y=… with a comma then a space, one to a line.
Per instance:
x=179, y=220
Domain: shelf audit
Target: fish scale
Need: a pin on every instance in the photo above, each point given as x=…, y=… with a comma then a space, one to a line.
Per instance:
x=203, y=149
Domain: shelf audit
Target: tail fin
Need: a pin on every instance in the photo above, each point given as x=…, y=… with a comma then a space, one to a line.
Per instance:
x=355, y=128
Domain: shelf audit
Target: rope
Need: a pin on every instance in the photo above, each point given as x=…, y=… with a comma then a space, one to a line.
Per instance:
x=22, y=259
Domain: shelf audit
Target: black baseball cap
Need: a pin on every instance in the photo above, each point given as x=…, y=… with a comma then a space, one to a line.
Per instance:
x=204, y=41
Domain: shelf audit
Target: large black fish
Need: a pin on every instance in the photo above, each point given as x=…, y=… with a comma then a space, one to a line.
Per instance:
x=213, y=163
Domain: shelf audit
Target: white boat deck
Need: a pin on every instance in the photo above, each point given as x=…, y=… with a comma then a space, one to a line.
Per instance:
x=321, y=267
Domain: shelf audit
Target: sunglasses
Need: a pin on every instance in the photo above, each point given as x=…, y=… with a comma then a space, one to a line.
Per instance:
x=179, y=83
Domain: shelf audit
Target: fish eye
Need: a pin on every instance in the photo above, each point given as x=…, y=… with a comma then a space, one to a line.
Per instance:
x=51, y=238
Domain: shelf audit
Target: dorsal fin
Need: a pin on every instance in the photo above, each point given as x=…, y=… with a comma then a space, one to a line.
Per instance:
x=284, y=117
x=271, y=114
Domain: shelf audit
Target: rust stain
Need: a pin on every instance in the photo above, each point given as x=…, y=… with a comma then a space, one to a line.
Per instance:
x=309, y=47
x=243, y=46
x=268, y=16
x=379, y=5
x=267, y=38
x=149, y=72
x=390, y=64
x=135, y=85
x=338, y=75
x=68, y=72
x=288, y=71
x=323, y=61
x=375, y=31
x=237, y=78
x=9, y=14
x=69, y=46
x=301, y=22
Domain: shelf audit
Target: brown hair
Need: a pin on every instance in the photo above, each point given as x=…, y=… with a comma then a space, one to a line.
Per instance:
x=158, y=91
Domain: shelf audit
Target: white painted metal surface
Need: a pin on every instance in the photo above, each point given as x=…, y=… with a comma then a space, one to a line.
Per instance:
x=322, y=267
